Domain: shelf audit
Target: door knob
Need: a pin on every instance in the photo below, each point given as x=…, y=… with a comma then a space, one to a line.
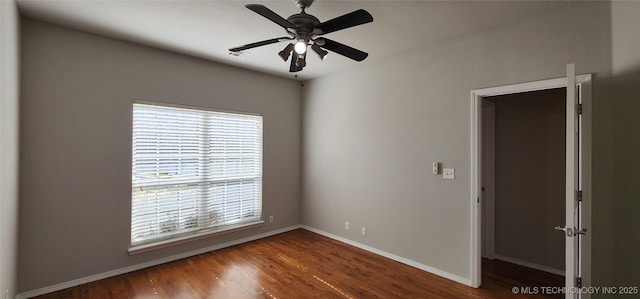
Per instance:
x=580, y=232
x=571, y=232
x=568, y=230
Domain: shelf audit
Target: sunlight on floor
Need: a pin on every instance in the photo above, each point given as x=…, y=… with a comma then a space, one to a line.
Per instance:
x=240, y=277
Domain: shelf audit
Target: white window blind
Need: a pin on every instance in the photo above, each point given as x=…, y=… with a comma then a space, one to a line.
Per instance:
x=193, y=171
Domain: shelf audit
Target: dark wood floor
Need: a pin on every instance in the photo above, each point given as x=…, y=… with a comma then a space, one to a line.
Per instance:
x=302, y=264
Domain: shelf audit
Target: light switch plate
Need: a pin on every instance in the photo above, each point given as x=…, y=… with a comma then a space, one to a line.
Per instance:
x=448, y=173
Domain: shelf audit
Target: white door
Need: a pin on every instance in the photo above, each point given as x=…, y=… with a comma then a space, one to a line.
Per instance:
x=573, y=229
x=578, y=175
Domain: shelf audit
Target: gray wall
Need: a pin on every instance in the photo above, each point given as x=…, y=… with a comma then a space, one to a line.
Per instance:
x=530, y=176
x=624, y=87
x=616, y=200
x=9, y=87
x=371, y=134
x=76, y=110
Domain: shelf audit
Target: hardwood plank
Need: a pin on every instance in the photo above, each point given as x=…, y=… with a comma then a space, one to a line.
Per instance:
x=302, y=264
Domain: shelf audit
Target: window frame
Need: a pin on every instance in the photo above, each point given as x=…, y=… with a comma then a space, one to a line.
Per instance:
x=187, y=235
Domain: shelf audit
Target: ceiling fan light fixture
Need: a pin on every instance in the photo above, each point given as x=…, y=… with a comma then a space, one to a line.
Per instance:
x=301, y=62
x=322, y=53
x=286, y=52
x=301, y=46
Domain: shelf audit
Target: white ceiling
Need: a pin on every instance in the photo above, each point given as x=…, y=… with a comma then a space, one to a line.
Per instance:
x=207, y=29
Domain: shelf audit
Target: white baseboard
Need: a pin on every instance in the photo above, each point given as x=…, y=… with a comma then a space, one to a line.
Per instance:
x=79, y=281
x=530, y=265
x=447, y=275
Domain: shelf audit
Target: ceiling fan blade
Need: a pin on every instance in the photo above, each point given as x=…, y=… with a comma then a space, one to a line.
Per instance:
x=351, y=19
x=261, y=43
x=341, y=49
x=269, y=14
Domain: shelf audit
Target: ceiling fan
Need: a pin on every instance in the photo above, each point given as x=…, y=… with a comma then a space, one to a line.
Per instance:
x=306, y=30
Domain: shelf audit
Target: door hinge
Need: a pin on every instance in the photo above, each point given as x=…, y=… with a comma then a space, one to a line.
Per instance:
x=579, y=196
x=578, y=282
x=579, y=109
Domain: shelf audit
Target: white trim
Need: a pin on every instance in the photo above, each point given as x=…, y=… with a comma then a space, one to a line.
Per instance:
x=572, y=154
x=585, y=184
x=475, y=267
x=530, y=265
x=475, y=167
x=191, y=107
x=137, y=249
x=526, y=87
x=394, y=257
x=95, y=277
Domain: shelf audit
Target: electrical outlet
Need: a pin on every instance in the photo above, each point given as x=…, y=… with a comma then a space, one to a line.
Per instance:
x=346, y=225
x=448, y=173
x=436, y=168
x=364, y=231
x=271, y=219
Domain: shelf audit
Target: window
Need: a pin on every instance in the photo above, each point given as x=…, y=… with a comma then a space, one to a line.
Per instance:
x=194, y=172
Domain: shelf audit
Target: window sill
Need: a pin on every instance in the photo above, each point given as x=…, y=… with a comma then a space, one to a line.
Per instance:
x=133, y=250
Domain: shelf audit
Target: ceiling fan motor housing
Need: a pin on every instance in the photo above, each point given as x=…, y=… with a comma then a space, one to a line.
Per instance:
x=304, y=25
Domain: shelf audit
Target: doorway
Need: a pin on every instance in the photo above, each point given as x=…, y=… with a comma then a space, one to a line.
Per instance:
x=523, y=185
x=578, y=174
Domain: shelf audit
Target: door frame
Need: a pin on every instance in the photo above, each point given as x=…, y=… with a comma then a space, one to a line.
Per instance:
x=584, y=81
